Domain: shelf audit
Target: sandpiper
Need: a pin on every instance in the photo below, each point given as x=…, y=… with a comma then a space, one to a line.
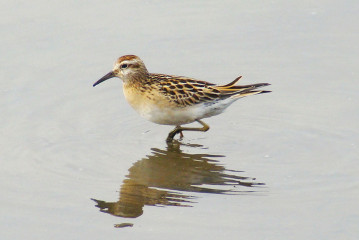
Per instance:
x=175, y=100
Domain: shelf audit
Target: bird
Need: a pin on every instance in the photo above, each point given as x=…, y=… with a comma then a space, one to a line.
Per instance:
x=175, y=100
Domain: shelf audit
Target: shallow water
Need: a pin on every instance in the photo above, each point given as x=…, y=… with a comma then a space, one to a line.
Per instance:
x=78, y=162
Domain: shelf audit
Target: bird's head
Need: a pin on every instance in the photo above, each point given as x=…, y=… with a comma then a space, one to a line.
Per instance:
x=128, y=68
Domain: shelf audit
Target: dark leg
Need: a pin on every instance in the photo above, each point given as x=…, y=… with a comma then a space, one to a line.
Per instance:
x=179, y=129
x=173, y=133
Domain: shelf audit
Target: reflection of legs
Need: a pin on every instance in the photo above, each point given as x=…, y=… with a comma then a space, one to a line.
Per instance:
x=179, y=129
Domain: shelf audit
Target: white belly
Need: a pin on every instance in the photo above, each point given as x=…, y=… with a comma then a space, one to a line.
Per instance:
x=178, y=116
x=162, y=112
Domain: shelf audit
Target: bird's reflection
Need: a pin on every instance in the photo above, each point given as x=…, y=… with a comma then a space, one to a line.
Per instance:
x=167, y=177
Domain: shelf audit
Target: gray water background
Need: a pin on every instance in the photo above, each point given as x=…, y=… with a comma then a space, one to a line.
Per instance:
x=64, y=142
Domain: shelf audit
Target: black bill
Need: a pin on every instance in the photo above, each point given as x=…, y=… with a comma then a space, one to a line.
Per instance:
x=104, y=78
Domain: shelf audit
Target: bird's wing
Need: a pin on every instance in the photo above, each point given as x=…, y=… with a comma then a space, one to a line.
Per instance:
x=188, y=91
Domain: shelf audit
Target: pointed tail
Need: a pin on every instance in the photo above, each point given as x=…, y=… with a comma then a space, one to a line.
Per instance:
x=239, y=91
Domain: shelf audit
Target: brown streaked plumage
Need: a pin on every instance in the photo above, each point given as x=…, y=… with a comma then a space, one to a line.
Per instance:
x=175, y=100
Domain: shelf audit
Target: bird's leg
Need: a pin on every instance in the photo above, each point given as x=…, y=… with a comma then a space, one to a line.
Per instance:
x=173, y=133
x=181, y=134
x=202, y=129
x=179, y=129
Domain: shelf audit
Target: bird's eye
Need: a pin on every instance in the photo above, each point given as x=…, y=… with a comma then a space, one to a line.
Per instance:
x=123, y=66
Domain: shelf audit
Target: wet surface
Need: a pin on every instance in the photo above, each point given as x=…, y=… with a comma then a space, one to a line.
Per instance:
x=78, y=163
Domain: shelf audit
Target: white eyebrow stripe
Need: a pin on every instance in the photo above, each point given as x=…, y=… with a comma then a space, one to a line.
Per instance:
x=127, y=62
